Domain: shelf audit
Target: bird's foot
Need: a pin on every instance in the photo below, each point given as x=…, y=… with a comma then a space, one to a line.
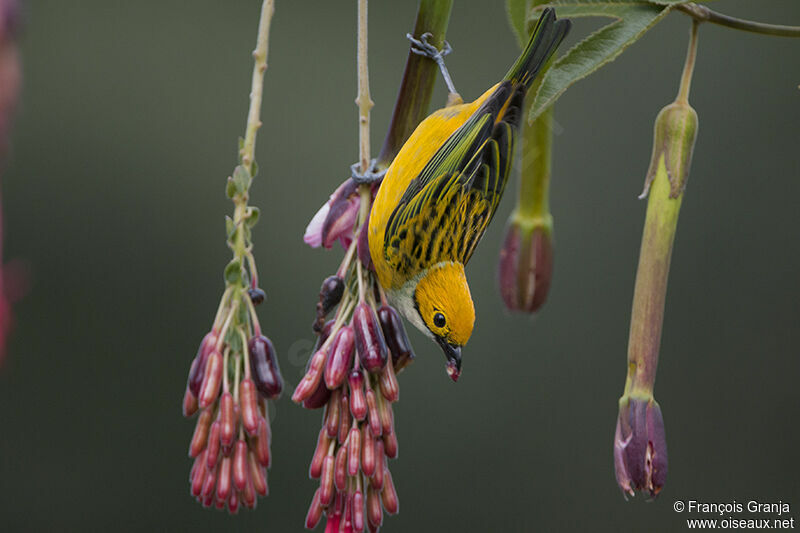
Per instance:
x=424, y=48
x=372, y=174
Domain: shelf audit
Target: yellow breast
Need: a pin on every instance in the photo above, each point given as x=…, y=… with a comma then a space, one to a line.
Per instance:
x=420, y=147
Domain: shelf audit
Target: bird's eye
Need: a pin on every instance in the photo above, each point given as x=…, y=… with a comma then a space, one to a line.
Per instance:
x=438, y=320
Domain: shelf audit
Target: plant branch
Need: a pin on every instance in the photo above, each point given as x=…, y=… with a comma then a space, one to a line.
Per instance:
x=419, y=76
x=247, y=152
x=703, y=14
x=363, y=101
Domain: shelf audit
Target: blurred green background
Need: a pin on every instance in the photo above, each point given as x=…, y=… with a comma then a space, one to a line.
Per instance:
x=114, y=195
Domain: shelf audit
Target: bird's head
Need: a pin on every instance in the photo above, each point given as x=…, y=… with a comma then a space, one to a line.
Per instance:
x=445, y=311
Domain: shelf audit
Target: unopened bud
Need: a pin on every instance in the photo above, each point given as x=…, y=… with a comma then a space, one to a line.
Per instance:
x=332, y=414
x=640, y=446
x=264, y=367
x=212, y=449
x=198, y=368
x=386, y=415
x=373, y=415
x=380, y=463
x=330, y=294
x=358, y=401
x=374, y=511
x=198, y=477
x=314, y=514
x=390, y=389
x=224, y=478
x=258, y=474
x=368, y=453
x=340, y=359
x=353, y=451
x=189, y=403
x=313, y=375
x=674, y=135
x=389, y=494
x=240, y=468
x=209, y=485
x=345, y=419
x=249, y=494
x=340, y=468
x=363, y=245
x=390, y=445
x=211, y=381
x=358, y=511
x=396, y=337
x=248, y=401
x=200, y=437
x=261, y=445
x=321, y=451
x=326, y=481
x=526, y=264
x=227, y=420
x=369, y=339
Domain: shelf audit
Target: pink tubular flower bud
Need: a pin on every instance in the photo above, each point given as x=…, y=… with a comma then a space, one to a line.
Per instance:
x=264, y=367
x=389, y=495
x=368, y=453
x=340, y=359
x=358, y=511
x=198, y=476
x=224, y=478
x=200, y=437
x=313, y=375
x=240, y=469
x=358, y=401
x=258, y=474
x=353, y=451
x=326, y=488
x=369, y=339
x=249, y=494
x=526, y=265
x=340, y=469
x=386, y=415
x=189, y=403
x=345, y=419
x=314, y=514
x=323, y=442
x=211, y=381
x=373, y=415
x=261, y=445
x=390, y=445
x=374, y=511
x=248, y=400
x=233, y=503
x=227, y=421
x=332, y=414
x=380, y=463
x=319, y=397
x=640, y=446
x=212, y=449
x=390, y=389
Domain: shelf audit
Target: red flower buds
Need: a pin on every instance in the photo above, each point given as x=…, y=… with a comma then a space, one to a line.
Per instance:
x=370, y=343
x=341, y=357
x=264, y=367
x=396, y=337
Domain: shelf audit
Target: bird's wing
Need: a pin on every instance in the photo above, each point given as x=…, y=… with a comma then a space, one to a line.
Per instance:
x=445, y=210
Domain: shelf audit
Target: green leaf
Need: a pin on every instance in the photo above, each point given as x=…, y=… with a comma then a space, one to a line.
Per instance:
x=252, y=216
x=233, y=272
x=230, y=188
x=516, y=9
x=230, y=228
x=632, y=20
x=241, y=179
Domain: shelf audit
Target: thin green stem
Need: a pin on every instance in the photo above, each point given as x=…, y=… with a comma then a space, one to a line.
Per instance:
x=703, y=14
x=688, y=66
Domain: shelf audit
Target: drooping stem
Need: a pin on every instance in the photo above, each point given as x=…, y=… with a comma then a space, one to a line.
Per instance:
x=703, y=14
x=416, y=89
x=247, y=152
x=688, y=66
x=363, y=101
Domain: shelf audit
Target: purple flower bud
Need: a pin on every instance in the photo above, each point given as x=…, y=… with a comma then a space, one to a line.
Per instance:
x=369, y=339
x=363, y=245
x=318, y=398
x=198, y=369
x=340, y=359
x=358, y=401
x=330, y=294
x=395, y=334
x=526, y=266
x=640, y=446
x=257, y=296
x=264, y=367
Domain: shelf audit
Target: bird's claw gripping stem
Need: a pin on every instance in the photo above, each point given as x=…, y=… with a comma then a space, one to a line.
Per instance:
x=422, y=47
x=370, y=176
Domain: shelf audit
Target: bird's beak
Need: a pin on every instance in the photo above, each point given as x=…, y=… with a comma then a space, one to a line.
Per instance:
x=453, y=355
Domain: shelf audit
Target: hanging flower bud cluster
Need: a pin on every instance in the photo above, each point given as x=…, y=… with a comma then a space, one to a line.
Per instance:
x=352, y=375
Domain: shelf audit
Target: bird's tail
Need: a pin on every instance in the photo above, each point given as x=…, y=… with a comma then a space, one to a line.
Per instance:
x=546, y=37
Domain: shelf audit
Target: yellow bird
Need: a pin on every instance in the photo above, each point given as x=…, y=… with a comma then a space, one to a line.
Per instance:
x=440, y=193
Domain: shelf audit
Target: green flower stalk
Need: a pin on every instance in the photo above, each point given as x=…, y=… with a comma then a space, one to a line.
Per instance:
x=526, y=259
x=236, y=370
x=640, y=452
